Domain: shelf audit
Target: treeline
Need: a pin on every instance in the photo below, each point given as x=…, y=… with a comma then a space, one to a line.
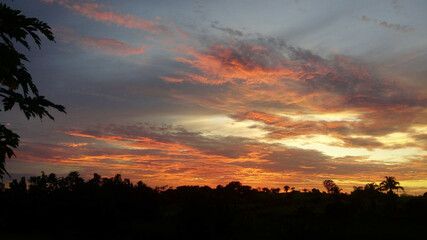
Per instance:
x=69, y=207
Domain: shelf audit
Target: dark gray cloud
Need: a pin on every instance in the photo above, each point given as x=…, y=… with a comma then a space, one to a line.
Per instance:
x=230, y=31
x=315, y=162
x=395, y=27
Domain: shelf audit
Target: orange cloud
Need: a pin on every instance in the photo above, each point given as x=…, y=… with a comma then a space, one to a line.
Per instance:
x=140, y=142
x=258, y=70
x=158, y=162
x=74, y=145
x=262, y=117
x=222, y=64
x=260, y=77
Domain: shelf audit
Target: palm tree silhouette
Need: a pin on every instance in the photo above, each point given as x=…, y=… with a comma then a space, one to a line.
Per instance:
x=390, y=184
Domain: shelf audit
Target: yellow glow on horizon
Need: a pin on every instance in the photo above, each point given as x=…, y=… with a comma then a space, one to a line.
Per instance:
x=331, y=146
x=329, y=117
x=417, y=184
x=313, y=140
x=221, y=125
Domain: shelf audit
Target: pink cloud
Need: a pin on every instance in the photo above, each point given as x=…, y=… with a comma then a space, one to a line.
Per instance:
x=112, y=47
x=171, y=79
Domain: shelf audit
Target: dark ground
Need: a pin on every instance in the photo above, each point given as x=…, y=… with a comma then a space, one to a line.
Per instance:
x=112, y=208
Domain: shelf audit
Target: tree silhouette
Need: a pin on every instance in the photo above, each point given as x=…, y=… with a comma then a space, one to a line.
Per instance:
x=8, y=140
x=331, y=187
x=73, y=181
x=18, y=187
x=38, y=184
x=390, y=184
x=52, y=182
x=315, y=191
x=16, y=84
x=286, y=188
x=96, y=180
x=371, y=187
x=71, y=206
x=234, y=186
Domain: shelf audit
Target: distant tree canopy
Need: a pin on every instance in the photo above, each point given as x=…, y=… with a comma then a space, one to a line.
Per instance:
x=331, y=187
x=16, y=84
x=69, y=207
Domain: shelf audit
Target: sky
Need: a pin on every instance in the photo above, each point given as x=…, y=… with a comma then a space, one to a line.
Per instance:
x=268, y=93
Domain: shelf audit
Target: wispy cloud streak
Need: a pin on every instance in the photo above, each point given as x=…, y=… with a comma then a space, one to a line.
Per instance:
x=96, y=12
x=99, y=45
x=395, y=27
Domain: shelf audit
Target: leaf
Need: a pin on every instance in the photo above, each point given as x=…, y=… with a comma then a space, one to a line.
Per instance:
x=8, y=140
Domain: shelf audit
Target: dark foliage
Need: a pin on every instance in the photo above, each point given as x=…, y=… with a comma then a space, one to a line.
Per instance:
x=16, y=84
x=68, y=207
x=331, y=187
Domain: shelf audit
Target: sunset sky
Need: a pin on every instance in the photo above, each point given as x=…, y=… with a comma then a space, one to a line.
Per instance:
x=268, y=93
